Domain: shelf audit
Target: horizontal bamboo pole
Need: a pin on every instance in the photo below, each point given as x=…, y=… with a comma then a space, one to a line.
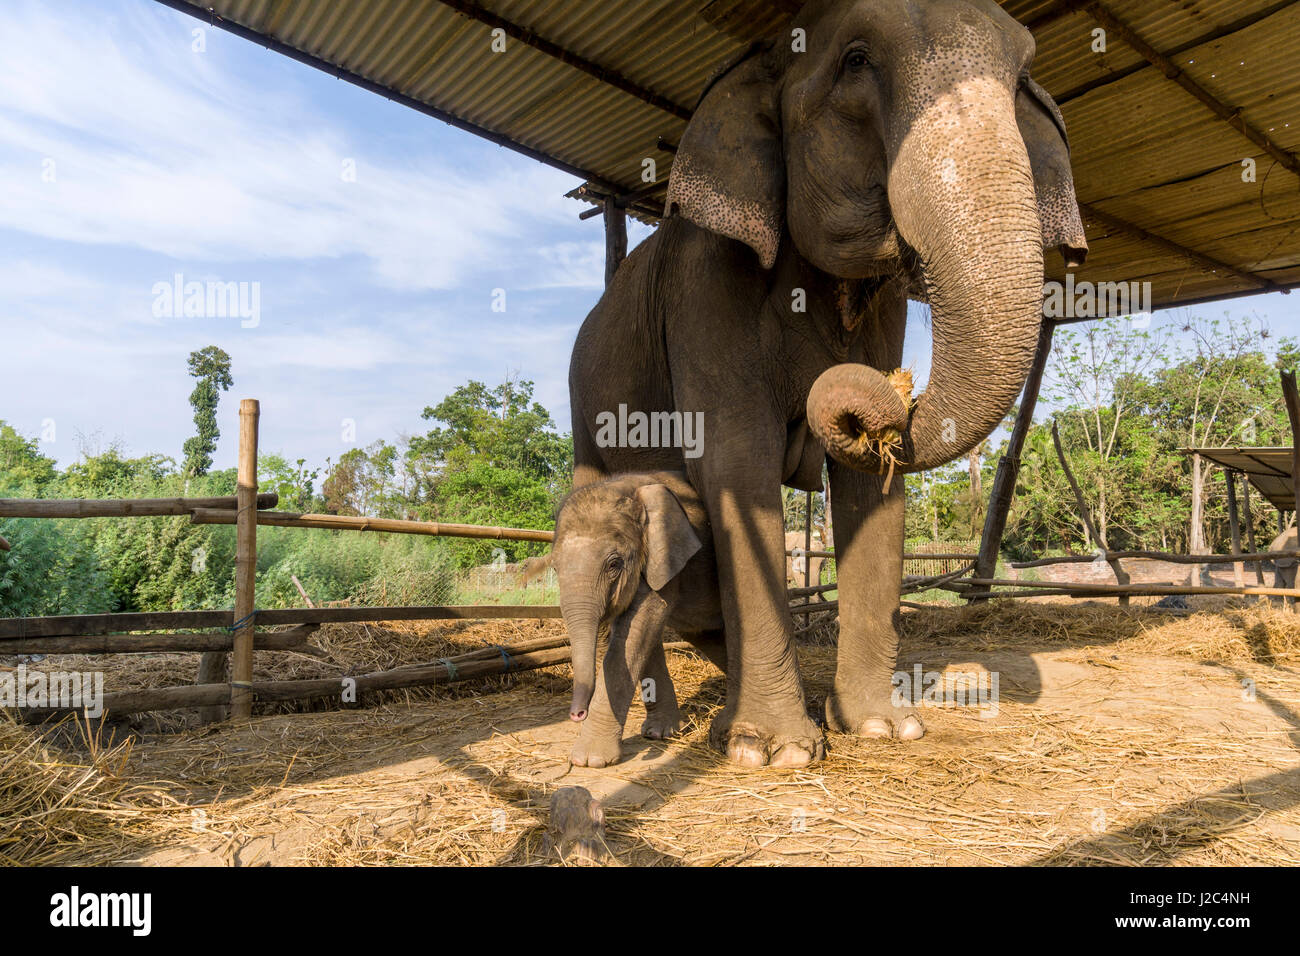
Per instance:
x=907, y=555
x=815, y=607
x=284, y=519
x=294, y=639
x=1160, y=556
x=1118, y=589
x=805, y=592
x=120, y=507
x=210, y=695
x=83, y=624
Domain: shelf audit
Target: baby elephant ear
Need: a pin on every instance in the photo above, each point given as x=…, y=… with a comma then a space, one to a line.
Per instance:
x=729, y=173
x=1043, y=129
x=670, y=541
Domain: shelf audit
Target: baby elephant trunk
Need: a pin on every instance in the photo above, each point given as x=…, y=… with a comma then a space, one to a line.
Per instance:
x=582, y=625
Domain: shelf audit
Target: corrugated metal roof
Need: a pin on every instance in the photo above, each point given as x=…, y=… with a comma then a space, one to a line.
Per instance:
x=1268, y=469
x=1145, y=151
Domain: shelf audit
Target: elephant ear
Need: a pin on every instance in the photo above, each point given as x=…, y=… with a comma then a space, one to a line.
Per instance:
x=670, y=541
x=1043, y=129
x=729, y=173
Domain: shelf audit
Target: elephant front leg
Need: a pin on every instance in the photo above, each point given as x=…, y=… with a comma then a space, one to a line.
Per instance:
x=869, y=574
x=633, y=638
x=765, y=720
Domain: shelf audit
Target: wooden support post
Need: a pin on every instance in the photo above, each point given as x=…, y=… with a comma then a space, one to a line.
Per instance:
x=1234, y=528
x=1121, y=576
x=807, y=540
x=212, y=665
x=1293, y=413
x=615, y=238
x=1250, y=527
x=241, y=670
x=1004, y=484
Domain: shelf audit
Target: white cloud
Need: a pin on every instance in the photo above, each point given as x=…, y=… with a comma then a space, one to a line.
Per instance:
x=153, y=146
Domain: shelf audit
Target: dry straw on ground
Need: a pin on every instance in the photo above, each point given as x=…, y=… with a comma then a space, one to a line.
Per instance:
x=1133, y=744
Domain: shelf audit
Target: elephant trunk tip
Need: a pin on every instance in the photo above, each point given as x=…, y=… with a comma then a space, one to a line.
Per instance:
x=860, y=415
x=581, y=701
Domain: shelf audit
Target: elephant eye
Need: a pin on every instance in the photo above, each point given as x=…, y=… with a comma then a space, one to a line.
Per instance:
x=614, y=565
x=856, y=59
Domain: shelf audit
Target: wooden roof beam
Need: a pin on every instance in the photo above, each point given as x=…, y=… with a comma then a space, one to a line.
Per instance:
x=1171, y=70
x=1210, y=37
x=613, y=78
x=1116, y=224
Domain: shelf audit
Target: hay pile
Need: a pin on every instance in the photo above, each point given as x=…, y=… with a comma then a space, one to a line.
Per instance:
x=1135, y=747
x=1231, y=629
x=61, y=806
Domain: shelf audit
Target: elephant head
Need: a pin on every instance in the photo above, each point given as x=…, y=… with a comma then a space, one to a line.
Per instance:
x=610, y=537
x=894, y=137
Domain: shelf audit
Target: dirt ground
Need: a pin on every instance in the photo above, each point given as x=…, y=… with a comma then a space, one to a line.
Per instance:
x=1119, y=737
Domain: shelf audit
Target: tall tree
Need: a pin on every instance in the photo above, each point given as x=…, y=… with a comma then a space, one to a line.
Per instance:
x=211, y=366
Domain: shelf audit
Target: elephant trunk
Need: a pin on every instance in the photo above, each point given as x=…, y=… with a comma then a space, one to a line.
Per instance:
x=583, y=624
x=962, y=193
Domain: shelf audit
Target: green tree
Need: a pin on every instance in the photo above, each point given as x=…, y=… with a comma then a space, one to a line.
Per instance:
x=211, y=366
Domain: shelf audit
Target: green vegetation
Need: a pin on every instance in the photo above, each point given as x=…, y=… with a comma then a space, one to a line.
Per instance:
x=492, y=456
x=1124, y=398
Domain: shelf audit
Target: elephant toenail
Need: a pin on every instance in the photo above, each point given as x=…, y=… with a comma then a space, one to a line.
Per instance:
x=875, y=727
x=911, y=729
x=791, y=755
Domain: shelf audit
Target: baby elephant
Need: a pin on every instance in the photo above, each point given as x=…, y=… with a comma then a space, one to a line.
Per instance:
x=633, y=555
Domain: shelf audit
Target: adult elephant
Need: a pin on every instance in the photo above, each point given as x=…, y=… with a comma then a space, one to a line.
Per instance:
x=880, y=148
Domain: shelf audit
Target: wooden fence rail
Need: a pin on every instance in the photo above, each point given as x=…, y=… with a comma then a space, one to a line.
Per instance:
x=121, y=508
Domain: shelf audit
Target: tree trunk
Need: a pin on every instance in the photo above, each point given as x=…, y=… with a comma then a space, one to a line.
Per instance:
x=1196, y=532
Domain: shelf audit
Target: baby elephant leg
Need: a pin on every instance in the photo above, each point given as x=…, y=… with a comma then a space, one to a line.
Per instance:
x=632, y=638
x=660, y=698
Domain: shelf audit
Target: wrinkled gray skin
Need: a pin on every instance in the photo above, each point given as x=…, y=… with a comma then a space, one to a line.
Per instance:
x=633, y=555
x=905, y=152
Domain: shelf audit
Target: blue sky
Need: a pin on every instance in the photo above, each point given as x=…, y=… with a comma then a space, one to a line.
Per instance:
x=128, y=157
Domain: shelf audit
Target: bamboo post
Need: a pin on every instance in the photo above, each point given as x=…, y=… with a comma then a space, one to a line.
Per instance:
x=1004, y=483
x=1234, y=528
x=807, y=540
x=615, y=238
x=1121, y=576
x=1292, y=398
x=1250, y=527
x=241, y=676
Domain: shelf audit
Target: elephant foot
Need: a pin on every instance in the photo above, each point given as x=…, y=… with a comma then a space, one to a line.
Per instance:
x=873, y=718
x=596, y=750
x=661, y=724
x=795, y=743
